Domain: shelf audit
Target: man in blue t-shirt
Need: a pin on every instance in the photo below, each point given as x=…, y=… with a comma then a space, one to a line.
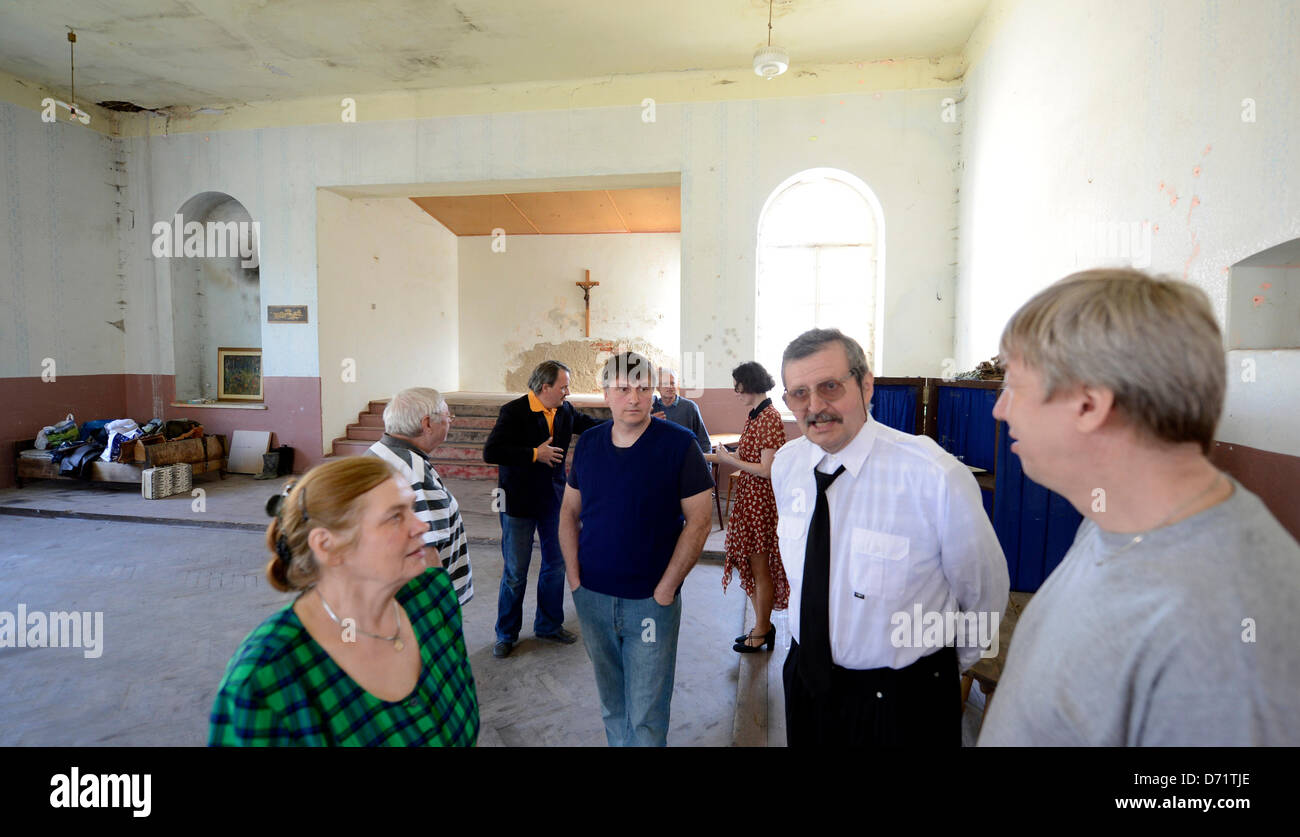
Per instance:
x=632, y=524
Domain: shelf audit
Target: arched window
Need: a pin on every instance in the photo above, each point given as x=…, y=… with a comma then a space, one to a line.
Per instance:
x=821, y=257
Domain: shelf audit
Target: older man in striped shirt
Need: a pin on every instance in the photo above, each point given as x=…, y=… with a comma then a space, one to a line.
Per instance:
x=416, y=422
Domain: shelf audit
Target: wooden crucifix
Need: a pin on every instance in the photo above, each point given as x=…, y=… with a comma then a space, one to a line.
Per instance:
x=586, y=286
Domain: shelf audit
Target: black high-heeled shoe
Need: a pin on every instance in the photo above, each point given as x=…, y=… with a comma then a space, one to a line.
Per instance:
x=769, y=642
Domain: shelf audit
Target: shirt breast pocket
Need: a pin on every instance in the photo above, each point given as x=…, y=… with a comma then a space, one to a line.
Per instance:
x=791, y=530
x=878, y=563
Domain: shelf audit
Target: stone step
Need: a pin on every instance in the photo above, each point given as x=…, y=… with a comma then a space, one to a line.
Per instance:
x=378, y=406
x=370, y=419
x=362, y=433
x=350, y=447
x=459, y=452
x=468, y=435
x=474, y=422
x=465, y=410
x=462, y=469
x=482, y=409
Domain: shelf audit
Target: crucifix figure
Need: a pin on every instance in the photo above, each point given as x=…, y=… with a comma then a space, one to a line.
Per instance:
x=586, y=286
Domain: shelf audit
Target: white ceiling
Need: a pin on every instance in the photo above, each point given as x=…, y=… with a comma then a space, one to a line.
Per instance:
x=192, y=53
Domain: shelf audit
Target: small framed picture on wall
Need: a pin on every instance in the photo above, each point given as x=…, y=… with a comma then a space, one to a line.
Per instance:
x=240, y=372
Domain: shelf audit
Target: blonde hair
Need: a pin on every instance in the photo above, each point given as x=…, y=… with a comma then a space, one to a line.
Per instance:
x=325, y=497
x=1151, y=341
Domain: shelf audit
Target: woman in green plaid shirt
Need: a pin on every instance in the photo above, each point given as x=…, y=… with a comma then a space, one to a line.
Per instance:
x=371, y=653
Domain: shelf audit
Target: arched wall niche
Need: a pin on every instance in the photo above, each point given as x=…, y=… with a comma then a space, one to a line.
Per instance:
x=216, y=299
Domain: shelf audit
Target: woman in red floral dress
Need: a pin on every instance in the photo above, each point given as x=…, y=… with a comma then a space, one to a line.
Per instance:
x=751, y=530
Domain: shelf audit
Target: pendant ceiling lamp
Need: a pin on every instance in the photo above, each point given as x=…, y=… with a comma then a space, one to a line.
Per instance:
x=770, y=61
x=75, y=113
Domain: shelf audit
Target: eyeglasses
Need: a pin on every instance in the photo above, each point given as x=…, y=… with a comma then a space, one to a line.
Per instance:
x=831, y=390
x=447, y=415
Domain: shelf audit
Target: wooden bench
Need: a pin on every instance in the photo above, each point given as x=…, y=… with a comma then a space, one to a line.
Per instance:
x=202, y=455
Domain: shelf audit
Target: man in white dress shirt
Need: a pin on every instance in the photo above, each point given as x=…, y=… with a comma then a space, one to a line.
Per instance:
x=908, y=536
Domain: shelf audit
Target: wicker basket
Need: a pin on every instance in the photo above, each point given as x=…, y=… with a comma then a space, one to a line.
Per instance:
x=156, y=483
x=182, y=478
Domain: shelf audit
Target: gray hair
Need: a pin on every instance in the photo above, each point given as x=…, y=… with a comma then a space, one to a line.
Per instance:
x=627, y=366
x=666, y=370
x=814, y=340
x=545, y=374
x=1152, y=341
x=408, y=409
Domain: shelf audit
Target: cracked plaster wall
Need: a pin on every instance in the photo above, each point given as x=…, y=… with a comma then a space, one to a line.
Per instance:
x=1080, y=117
x=521, y=306
x=61, y=284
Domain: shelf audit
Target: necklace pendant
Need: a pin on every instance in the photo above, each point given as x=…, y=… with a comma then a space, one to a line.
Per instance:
x=397, y=645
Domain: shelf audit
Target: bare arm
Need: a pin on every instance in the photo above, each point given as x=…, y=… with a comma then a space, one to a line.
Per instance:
x=570, y=510
x=762, y=468
x=699, y=519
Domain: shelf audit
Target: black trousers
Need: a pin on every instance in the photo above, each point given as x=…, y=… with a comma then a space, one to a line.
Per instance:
x=879, y=707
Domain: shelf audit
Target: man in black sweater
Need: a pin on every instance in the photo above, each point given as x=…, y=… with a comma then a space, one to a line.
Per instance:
x=529, y=443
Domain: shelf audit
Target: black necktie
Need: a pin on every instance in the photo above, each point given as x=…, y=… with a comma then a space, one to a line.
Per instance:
x=814, y=599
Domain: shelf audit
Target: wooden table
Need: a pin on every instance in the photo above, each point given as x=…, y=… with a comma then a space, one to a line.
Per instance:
x=728, y=440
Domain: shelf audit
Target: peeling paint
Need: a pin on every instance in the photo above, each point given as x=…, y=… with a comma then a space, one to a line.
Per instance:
x=470, y=26
x=583, y=357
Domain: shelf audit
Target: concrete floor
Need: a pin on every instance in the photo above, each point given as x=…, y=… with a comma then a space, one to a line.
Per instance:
x=237, y=501
x=178, y=600
x=180, y=586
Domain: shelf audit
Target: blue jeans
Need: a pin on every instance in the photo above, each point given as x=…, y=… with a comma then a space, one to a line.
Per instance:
x=632, y=644
x=516, y=551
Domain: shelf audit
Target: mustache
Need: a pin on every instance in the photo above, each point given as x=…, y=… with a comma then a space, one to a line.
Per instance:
x=818, y=418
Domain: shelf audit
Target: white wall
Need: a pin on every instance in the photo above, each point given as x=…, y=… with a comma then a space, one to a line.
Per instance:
x=513, y=300
x=1101, y=115
x=731, y=155
x=387, y=300
x=61, y=285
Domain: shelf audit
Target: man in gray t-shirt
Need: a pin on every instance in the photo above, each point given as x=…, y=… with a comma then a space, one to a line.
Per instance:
x=1188, y=639
x=1174, y=618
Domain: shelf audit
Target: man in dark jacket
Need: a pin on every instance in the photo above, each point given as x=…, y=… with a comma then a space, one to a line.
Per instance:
x=529, y=443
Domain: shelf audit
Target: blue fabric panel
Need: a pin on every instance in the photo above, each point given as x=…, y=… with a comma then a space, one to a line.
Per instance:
x=1034, y=526
x=965, y=426
x=895, y=406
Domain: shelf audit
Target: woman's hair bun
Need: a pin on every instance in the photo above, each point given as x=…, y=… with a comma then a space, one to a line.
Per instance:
x=274, y=502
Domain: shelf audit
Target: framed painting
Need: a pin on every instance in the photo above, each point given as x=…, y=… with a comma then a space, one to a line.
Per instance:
x=240, y=374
